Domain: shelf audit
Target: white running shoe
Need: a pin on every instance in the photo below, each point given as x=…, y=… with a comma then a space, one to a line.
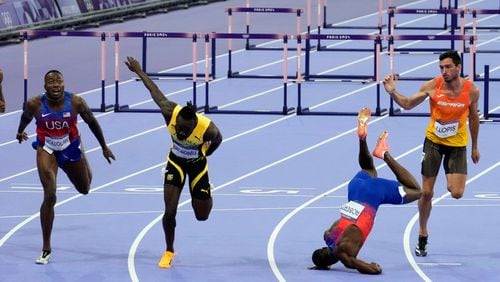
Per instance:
x=44, y=258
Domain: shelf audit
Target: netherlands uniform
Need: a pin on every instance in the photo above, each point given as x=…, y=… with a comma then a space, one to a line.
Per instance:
x=57, y=133
x=447, y=131
x=365, y=194
x=187, y=157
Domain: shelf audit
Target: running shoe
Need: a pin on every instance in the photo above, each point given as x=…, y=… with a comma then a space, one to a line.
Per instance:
x=382, y=146
x=363, y=116
x=421, y=248
x=43, y=258
x=166, y=260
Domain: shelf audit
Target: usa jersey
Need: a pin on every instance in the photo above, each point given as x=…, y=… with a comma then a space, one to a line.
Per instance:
x=56, y=130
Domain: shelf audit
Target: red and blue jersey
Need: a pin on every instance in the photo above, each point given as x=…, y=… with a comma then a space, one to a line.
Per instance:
x=56, y=130
x=365, y=194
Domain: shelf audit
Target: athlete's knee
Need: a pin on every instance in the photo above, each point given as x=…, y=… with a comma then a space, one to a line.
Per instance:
x=426, y=195
x=456, y=193
x=201, y=217
x=50, y=198
x=83, y=188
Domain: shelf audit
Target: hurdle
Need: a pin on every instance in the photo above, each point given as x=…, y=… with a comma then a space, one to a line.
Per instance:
x=443, y=7
x=392, y=11
x=322, y=6
x=495, y=117
x=31, y=34
x=476, y=12
x=247, y=36
x=377, y=42
x=392, y=38
x=215, y=109
x=375, y=78
x=475, y=26
x=265, y=10
x=194, y=74
x=163, y=35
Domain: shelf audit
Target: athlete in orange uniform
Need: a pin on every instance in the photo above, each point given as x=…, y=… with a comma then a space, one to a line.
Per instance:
x=453, y=101
x=194, y=138
x=365, y=193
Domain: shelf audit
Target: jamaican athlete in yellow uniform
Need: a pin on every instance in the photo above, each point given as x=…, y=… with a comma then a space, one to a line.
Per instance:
x=194, y=138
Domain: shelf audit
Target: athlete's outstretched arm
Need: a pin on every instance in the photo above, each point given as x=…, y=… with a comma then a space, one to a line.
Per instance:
x=166, y=106
x=408, y=103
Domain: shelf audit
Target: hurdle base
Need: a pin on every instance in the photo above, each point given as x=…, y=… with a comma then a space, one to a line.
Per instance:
x=103, y=108
x=398, y=113
x=154, y=75
x=254, y=47
x=414, y=78
x=420, y=50
x=333, y=26
x=307, y=111
x=340, y=78
x=238, y=75
x=215, y=110
x=127, y=109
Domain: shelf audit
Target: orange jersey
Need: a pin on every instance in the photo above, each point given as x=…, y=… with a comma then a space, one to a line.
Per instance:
x=448, y=125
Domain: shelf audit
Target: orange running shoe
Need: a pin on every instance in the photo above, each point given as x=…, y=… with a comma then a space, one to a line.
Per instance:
x=363, y=117
x=166, y=260
x=382, y=146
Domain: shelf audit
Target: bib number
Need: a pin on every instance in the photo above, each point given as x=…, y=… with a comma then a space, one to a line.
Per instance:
x=351, y=210
x=57, y=143
x=444, y=130
x=186, y=153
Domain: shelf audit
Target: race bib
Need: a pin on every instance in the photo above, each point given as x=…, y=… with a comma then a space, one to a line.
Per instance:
x=351, y=210
x=186, y=153
x=447, y=129
x=57, y=143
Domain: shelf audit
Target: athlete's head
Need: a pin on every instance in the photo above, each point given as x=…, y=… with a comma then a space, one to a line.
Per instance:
x=450, y=65
x=323, y=258
x=186, y=121
x=54, y=85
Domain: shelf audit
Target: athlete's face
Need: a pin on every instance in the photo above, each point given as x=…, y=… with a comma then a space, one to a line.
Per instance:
x=449, y=70
x=184, y=128
x=54, y=85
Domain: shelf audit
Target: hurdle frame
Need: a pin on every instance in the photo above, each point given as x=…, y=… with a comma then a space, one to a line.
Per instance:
x=376, y=79
x=488, y=117
x=391, y=11
x=214, y=109
x=194, y=74
x=475, y=27
x=230, y=36
x=153, y=34
x=377, y=40
x=442, y=6
x=322, y=6
x=31, y=34
x=249, y=10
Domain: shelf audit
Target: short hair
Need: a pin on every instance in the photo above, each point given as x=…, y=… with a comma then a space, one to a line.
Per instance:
x=453, y=55
x=52, y=71
x=323, y=258
x=188, y=112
